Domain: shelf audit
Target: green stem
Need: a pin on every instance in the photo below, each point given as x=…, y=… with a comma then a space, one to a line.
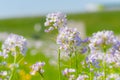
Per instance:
x=59, y=64
x=70, y=61
x=13, y=67
x=105, y=71
x=41, y=75
x=104, y=63
x=76, y=63
x=20, y=60
x=90, y=72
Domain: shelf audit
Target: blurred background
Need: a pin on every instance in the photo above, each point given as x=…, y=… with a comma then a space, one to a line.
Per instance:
x=27, y=17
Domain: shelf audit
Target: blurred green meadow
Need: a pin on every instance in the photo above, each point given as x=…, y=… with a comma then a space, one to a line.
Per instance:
x=25, y=26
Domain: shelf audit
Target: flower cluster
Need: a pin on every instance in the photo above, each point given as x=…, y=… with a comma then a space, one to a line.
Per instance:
x=102, y=39
x=113, y=77
x=102, y=47
x=37, y=67
x=16, y=46
x=4, y=75
x=55, y=20
x=98, y=75
x=24, y=75
x=82, y=77
x=68, y=39
x=12, y=42
x=68, y=73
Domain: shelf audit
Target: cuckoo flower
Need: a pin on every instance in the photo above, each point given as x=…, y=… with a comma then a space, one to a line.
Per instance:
x=55, y=20
x=82, y=77
x=37, y=67
x=12, y=42
x=113, y=77
x=67, y=72
x=68, y=39
x=101, y=46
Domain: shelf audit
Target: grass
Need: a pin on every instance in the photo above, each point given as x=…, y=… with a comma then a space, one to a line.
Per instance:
x=93, y=22
x=99, y=21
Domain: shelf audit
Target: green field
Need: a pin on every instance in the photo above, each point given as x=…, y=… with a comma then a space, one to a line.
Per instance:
x=93, y=22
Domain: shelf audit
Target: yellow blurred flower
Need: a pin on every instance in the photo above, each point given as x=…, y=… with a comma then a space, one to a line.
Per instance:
x=24, y=76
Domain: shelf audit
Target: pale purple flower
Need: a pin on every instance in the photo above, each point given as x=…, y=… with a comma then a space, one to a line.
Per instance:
x=3, y=54
x=72, y=77
x=37, y=67
x=84, y=49
x=12, y=42
x=55, y=20
x=107, y=57
x=68, y=72
x=3, y=73
x=116, y=48
x=113, y=77
x=101, y=40
x=68, y=39
x=82, y=77
x=98, y=75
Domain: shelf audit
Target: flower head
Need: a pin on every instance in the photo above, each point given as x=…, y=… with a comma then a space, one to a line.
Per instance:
x=102, y=38
x=82, y=77
x=55, y=20
x=12, y=42
x=68, y=39
x=104, y=46
x=67, y=72
x=113, y=77
x=37, y=67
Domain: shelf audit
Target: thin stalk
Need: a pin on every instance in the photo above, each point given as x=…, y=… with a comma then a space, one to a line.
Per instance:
x=59, y=64
x=20, y=60
x=76, y=63
x=104, y=63
x=70, y=61
x=15, y=56
x=104, y=71
x=41, y=75
x=90, y=73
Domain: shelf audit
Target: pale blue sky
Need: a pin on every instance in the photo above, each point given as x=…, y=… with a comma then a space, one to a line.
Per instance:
x=17, y=8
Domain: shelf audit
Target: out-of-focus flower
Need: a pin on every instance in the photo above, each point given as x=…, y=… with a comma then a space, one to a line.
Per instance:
x=12, y=42
x=117, y=46
x=37, y=67
x=72, y=77
x=98, y=75
x=37, y=27
x=3, y=54
x=101, y=39
x=67, y=72
x=12, y=66
x=68, y=39
x=113, y=77
x=55, y=20
x=24, y=76
x=82, y=77
x=103, y=47
x=3, y=73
